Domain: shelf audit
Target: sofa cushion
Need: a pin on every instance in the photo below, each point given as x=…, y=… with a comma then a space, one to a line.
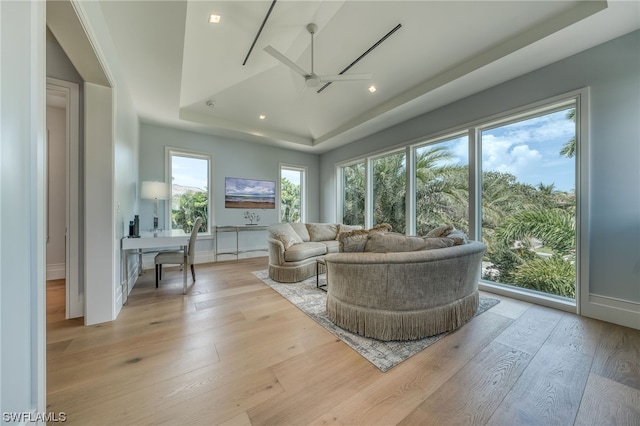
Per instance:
x=354, y=241
x=394, y=243
x=301, y=230
x=304, y=251
x=322, y=231
x=285, y=233
x=333, y=246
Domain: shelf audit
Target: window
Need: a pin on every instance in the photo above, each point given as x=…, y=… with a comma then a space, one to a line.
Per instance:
x=529, y=202
x=389, y=190
x=190, y=189
x=292, y=193
x=353, y=194
x=509, y=181
x=442, y=185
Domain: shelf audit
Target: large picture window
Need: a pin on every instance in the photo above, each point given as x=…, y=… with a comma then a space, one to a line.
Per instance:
x=529, y=202
x=190, y=177
x=510, y=182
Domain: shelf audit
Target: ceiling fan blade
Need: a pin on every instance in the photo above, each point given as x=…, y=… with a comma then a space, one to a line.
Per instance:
x=344, y=77
x=286, y=61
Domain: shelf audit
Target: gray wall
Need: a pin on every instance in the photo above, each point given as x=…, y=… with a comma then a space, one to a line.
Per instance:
x=612, y=71
x=231, y=158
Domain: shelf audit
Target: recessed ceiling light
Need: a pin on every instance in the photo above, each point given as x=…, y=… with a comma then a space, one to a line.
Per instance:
x=372, y=89
x=262, y=116
x=214, y=19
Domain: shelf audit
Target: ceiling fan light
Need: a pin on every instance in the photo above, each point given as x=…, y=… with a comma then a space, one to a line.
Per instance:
x=214, y=19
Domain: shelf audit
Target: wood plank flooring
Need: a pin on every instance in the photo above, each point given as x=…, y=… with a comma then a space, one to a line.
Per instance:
x=234, y=352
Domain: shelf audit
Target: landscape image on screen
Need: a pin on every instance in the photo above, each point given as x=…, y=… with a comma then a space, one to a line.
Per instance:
x=249, y=194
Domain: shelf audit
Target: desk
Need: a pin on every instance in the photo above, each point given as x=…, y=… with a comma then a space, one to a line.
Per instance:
x=154, y=240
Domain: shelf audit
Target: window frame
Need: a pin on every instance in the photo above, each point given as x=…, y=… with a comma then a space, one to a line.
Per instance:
x=579, y=98
x=182, y=152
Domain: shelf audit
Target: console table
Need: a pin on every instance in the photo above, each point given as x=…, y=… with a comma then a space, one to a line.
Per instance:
x=238, y=229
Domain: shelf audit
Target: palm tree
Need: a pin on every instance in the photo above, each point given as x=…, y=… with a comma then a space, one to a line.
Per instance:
x=554, y=227
x=442, y=193
x=389, y=190
x=569, y=148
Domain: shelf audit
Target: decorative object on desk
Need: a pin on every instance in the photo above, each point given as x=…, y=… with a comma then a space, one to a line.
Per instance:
x=153, y=190
x=251, y=216
x=136, y=226
x=384, y=355
x=249, y=193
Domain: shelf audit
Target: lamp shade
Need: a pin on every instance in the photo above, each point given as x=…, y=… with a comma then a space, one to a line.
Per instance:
x=153, y=189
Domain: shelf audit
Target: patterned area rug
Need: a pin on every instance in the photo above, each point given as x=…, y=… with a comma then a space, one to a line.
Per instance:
x=384, y=355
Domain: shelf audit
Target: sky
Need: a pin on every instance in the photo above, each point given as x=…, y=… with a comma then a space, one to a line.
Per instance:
x=189, y=171
x=529, y=149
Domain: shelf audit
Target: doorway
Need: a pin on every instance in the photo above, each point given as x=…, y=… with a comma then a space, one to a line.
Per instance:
x=62, y=191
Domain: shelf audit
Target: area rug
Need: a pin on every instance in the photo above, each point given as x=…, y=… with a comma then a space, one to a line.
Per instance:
x=384, y=355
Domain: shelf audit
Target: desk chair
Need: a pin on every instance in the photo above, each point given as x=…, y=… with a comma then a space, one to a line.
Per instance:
x=177, y=257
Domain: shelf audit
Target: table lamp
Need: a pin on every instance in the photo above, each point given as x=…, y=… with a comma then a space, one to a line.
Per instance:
x=153, y=190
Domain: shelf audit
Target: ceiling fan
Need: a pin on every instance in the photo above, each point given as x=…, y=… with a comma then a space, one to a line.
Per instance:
x=311, y=78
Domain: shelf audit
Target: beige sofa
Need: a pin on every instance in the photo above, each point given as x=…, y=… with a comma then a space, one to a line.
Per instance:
x=294, y=248
x=404, y=295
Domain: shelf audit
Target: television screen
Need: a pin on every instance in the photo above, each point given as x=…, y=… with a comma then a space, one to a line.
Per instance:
x=249, y=193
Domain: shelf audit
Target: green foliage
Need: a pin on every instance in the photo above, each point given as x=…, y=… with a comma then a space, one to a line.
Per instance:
x=554, y=227
x=550, y=275
x=354, y=194
x=290, y=201
x=389, y=191
x=191, y=206
x=520, y=222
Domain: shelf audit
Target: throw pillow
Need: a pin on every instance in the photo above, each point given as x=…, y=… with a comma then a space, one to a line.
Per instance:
x=345, y=228
x=440, y=231
x=458, y=237
x=356, y=239
x=322, y=231
x=301, y=230
x=285, y=234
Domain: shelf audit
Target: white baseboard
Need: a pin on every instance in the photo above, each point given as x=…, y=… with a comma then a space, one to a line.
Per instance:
x=609, y=309
x=56, y=271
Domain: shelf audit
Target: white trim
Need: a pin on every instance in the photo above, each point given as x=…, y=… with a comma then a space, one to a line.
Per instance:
x=617, y=311
x=555, y=302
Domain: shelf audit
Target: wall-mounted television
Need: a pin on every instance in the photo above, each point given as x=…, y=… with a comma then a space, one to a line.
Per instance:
x=249, y=193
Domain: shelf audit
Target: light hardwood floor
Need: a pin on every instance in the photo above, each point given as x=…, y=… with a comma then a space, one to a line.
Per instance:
x=234, y=352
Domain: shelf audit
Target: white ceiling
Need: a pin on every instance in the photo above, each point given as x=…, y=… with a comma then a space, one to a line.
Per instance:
x=174, y=61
